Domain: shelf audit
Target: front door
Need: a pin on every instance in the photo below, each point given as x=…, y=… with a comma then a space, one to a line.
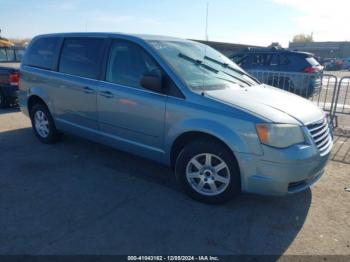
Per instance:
x=130, y=115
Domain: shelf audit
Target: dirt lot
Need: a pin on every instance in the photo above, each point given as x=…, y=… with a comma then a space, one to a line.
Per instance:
x=78, y=197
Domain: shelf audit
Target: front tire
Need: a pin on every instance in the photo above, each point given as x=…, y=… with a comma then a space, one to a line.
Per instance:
x=43, y=124
x=208, y=172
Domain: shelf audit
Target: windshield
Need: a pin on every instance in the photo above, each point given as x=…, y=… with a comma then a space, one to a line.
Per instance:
x=201, y=67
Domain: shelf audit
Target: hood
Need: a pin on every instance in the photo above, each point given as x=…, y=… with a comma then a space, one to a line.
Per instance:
x=274, y=104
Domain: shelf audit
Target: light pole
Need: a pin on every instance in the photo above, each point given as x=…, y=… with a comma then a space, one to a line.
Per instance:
x=206, y=23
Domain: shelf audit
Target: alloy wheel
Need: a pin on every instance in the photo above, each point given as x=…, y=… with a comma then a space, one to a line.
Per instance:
x=208, y=174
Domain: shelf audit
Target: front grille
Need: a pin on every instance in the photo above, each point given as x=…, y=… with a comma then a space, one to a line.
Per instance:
x=321, y=135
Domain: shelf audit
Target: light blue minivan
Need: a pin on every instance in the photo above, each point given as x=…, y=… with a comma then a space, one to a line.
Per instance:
x=177, y=102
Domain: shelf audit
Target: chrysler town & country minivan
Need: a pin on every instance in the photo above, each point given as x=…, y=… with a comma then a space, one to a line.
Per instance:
x=177, y=102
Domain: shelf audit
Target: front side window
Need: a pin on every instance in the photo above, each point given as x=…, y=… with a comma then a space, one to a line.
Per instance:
x=127, y=63
x=42, y=52
x=240, y=59
x=283, y=60
x=81, y=56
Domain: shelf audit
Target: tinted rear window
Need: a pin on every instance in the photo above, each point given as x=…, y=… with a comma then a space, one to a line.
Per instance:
x=19, y=54
x=42, y=52
x=80, y=57
x=3, y=55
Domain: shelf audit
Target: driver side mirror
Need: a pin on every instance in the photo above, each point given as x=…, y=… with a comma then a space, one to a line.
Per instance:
x=152, y=80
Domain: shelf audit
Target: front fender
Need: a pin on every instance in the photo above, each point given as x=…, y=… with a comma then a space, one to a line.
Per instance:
x=242, y=138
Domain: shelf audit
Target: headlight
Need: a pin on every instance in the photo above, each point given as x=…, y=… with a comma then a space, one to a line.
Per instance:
x=279, y=135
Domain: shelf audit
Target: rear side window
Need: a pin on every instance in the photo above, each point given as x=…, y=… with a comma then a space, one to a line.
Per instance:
x=42, y=52
x=262, y=59
x=81, y=57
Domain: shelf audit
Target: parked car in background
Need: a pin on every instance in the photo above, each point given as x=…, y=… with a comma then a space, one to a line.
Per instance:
x=177, y=102
x=346, y=63
x=10, y=59
x=294, y=71
x=329, y=64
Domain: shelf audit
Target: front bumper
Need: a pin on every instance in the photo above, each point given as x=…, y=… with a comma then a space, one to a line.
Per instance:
x=284, y=171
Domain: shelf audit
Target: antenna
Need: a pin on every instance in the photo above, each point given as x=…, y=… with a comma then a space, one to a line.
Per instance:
x=206, y=23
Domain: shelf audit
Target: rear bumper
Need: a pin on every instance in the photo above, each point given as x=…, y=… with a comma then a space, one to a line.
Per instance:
x=299, y=172
x=11, y=92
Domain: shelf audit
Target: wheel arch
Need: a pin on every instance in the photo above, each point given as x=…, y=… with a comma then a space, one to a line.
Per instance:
x=185, y=138
x=35, y=99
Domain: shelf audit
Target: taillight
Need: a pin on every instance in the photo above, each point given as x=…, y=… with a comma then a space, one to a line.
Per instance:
x=310, y=69
x=14, y=79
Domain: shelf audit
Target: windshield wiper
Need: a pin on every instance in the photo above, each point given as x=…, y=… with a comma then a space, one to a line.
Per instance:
x=198, y=62
x=233, y=82
x=226, y=65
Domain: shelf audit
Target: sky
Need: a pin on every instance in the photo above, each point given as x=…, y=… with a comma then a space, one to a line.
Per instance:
x=255, y=22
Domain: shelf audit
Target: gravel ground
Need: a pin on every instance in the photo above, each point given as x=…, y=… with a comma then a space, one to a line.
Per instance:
x=78, y=197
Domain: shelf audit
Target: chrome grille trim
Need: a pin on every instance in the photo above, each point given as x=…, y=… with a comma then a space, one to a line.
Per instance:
x=314, y=129
x=326, y=146
x=324, y=129
x=321, y=136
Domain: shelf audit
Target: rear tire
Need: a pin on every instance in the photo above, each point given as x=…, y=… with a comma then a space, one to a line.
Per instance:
x=208, y=172
x=43, y=124
x=3, y=99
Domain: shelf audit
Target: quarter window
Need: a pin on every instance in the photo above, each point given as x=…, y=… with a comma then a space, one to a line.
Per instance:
x=127, y=62
x=42, y=52
x=81, y=57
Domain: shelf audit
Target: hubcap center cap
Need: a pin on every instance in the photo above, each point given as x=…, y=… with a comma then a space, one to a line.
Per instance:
x=207, y=173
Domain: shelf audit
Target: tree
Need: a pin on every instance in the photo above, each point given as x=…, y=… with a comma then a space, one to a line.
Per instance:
x=275, y=44
x=302, y=38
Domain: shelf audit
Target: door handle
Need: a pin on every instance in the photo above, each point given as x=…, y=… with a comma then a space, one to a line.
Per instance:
x=106, y=94
x=88, y=90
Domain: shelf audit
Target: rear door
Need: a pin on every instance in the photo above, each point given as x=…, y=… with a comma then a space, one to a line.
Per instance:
x=130, y=115
x=77, y=81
